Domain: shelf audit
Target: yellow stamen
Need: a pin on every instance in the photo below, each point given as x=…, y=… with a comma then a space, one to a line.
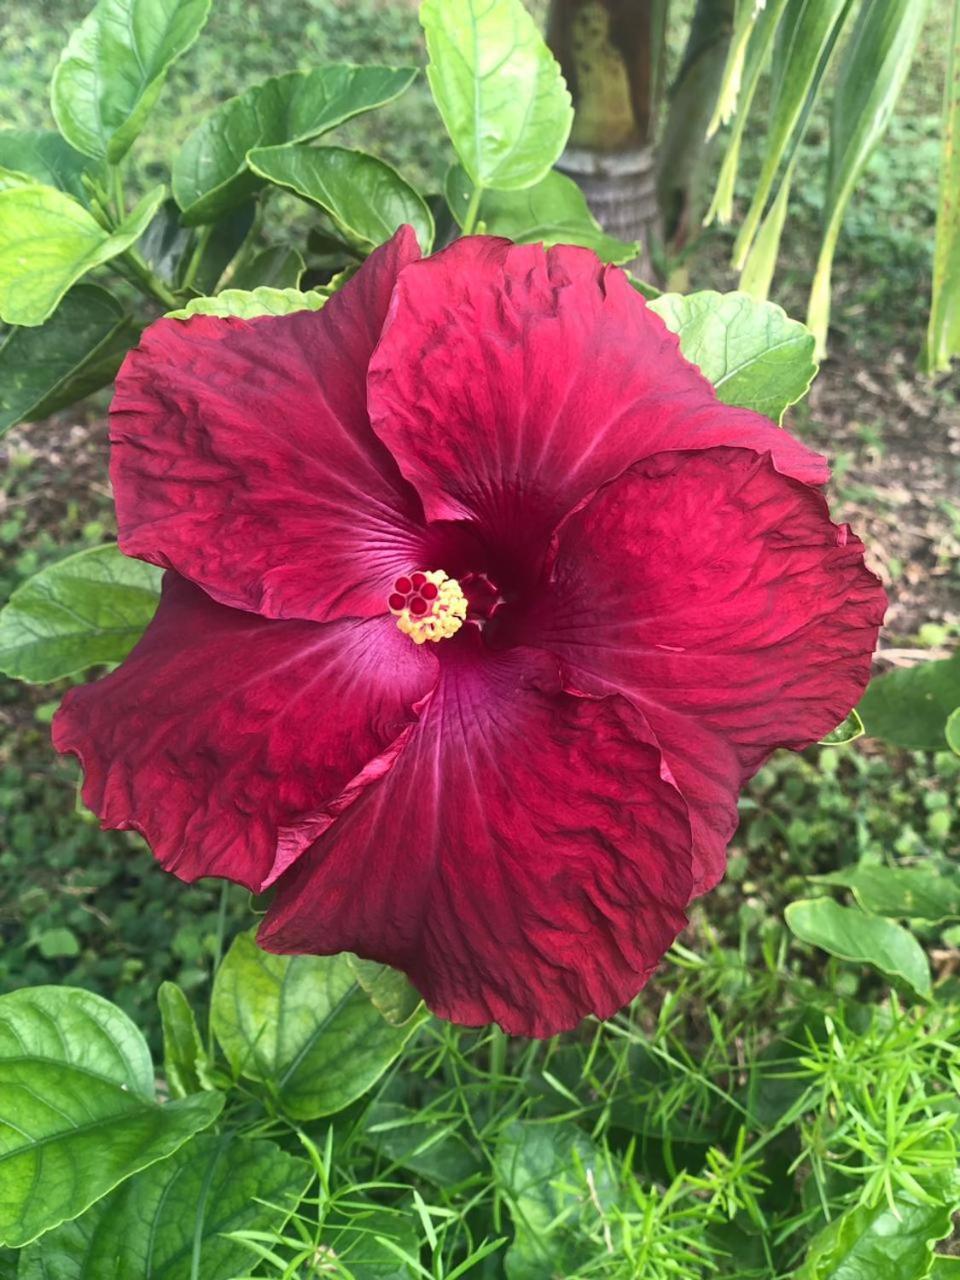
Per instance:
x=445, y=613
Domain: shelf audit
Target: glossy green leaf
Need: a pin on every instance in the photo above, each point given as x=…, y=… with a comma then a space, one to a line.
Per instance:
x=362, y=194
x=170, y=1222
x=388, y=990
x=225, y=239
x=909, y=707
x=848, y=730
x=901, y=892
x=875, y=63
x=111, y=72
x=951, y=731
x=185, y=1062
x=302, y=1025
x=48, y=241
x=945, y=1268
x=88, y=609
x=165, y=244
x=210, y=173
x=878, y=1243
x=498, y=89
x=250, y=303
x=552, y=211
x=78, y=350
x=943, y=332
x=753, y=353
x=279, y=267
x=537, y=1171
x=40, y=155
x=850, y=934
x=78, y=1113
x=804, y=36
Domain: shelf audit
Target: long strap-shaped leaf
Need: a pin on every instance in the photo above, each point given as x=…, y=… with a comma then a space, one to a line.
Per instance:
x=872, y=71
x=803, y=36
x=943, y=334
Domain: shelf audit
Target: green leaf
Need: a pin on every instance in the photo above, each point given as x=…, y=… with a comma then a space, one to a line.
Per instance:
x=255, y=302
x=111, y=72
x=553, y=211
x=55, y=943
x=943, y=332
x=78, y=1112
x=909, y=708
x=185, y=1062
x=951, y=731
x=871, y=74
x=170, y=1222
x=210, y=174
x=388, y=990
x=364, y=196
x=302, y=1025
x=226, y=238
x=901, y=892
x=848, y=730
x=878, y=1243
x=805, y=38
x=165, y=243
x=40, y=155
x=88, y=609
x=78, y=350
x=498, y=89
x=537, y=1167
x=421, y=1141
x=849, y=934
x=48, y=241
x=279, y=267
x=753, y=353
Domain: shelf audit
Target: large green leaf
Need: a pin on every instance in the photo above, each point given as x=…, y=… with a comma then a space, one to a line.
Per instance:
x=901, y=892
x=388, y=990
x=185, y=1062
x=210, y=173
x=302, y=1025
x=878, y=1243
x=40, y=155
x=111, y=72
x=851, y=934
x=552, y=211
x=78, y=1112
x=804, y=36
x=170, y=1222
x=498, y=89
x=78, y=350
x=753, y=353
x=537, y=1172
x=943, y=332
x=48, y=241
x=909, y=708
x=88, y=609
x=874, y=65
x=278, y=267
x=253, y=302
x=363, y=195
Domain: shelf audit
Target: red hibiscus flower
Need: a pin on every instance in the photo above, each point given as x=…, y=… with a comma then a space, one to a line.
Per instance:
x=480, y=610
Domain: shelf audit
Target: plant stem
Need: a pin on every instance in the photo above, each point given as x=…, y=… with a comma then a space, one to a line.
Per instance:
x=116, y=178
x=148, y=280
x=473, y=208
x=197, y=256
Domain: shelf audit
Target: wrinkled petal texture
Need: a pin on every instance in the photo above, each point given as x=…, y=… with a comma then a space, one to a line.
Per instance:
x=222, y=730
x=731, y=612
x=511, y=382
x=243, y=457
x=524, y=860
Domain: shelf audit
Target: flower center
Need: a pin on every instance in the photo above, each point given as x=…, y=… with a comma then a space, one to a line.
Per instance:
x=428, y=606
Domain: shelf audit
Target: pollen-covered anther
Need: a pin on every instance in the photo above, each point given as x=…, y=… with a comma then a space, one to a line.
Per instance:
x=428, y=606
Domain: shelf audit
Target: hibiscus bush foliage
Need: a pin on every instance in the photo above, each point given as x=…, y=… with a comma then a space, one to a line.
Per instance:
x=781, y=1100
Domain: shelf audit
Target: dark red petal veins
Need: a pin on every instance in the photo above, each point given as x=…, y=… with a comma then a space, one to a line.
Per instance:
x=719, y=598
x=243, y=456
x=524, y=861
x=511, y=382
x=222, y=729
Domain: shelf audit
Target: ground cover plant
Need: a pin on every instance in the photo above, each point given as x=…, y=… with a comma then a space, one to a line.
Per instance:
x=780, y=1100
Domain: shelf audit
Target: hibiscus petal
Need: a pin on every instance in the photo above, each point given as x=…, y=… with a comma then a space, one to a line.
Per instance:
x=243, y=457
x=523, y=861
x=719, y=598
x=222, y=729
x=511, y=382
